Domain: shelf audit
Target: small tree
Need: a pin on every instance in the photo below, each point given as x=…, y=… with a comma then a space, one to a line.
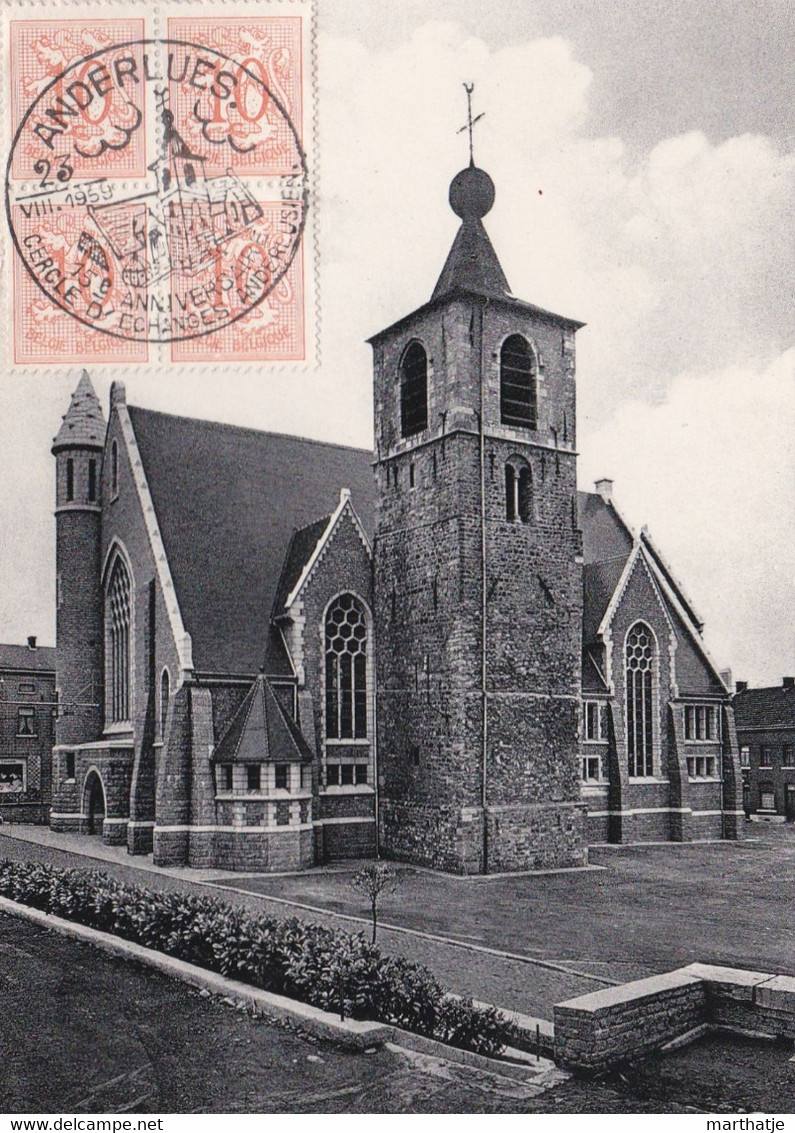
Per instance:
x=372, y=880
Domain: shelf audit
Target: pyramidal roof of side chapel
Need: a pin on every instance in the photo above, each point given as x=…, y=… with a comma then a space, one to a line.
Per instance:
x=84, y=421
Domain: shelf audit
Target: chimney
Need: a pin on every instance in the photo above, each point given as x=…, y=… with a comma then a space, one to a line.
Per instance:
x=31, y=643
x=726, y=677
x=741, y=686
x=604, y=488
x=788, y=682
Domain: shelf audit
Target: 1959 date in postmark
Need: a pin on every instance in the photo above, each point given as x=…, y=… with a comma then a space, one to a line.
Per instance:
x=156, y=189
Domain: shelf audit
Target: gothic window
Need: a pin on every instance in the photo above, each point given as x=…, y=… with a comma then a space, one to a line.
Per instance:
x=413, y=391
x=165, y=694
x=640, y=674
x=119, y=640
x=70, y=479
x=92, y=480
x=518, y=493
x=346, y=670
x=518, y=398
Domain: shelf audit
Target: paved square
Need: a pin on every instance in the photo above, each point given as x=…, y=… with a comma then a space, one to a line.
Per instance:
x=652, y=908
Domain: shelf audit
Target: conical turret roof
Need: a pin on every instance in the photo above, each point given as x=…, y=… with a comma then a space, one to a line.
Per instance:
x=84, y=421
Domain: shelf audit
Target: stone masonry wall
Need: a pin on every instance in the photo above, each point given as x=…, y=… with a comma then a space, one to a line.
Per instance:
x=429, y=597
x=594, y=1032
x=619, y=1024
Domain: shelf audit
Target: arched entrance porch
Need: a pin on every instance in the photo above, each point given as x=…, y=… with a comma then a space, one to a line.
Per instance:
x=94, y=803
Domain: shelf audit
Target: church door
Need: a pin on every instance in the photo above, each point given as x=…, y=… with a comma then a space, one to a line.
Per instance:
x=95, y=799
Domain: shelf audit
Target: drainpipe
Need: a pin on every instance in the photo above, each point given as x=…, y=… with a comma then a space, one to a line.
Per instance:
x=483, y=596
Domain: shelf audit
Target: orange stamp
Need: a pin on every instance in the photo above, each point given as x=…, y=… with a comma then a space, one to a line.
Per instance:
x=157, y=186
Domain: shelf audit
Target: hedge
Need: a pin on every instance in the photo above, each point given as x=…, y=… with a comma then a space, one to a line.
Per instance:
x=325, y=967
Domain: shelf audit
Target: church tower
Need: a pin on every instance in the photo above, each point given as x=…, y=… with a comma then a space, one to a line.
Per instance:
x=78, y=456
x=478, y=570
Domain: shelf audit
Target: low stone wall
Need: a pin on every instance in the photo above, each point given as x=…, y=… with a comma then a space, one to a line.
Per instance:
x=596, y=1031
x=748, y=1001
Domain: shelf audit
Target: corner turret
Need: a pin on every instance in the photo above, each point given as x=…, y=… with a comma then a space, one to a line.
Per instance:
x=78, y=515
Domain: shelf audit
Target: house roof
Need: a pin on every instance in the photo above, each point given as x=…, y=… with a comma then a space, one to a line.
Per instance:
x=228, y=501
x=21, y=658
x=261, y=731
x=84, y=422
x=765, y=707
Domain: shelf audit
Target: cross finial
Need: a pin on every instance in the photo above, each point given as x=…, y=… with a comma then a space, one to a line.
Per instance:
x=469, y=87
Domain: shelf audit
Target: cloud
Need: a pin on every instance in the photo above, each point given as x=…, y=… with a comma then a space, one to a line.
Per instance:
x=679, y=260
x=710, y=471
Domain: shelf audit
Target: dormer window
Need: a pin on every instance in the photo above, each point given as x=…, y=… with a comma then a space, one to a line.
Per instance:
x=413, y=391
x=518, y=395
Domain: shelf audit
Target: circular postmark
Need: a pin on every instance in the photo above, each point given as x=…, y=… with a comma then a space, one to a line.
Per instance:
x=156, y=190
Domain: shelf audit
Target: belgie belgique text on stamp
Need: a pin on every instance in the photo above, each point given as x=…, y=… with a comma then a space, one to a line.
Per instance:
x=157, y=188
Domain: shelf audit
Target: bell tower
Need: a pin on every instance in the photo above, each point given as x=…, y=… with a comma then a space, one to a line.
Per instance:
x=478, y=570
x=78, y=515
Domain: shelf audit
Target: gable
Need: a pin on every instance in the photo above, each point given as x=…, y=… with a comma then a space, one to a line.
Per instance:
x=694, y=675
x=228, y=501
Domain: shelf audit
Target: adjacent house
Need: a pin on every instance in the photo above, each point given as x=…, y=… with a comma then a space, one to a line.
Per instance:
x=766, y=737
x=27, y=731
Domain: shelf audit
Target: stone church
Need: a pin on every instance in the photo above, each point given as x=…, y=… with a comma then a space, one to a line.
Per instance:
x=274, y=652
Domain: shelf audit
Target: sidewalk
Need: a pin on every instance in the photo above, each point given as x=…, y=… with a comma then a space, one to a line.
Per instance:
x=515, y=983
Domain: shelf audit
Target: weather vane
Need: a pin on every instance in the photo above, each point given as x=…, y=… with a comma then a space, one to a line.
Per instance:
x=471, y=122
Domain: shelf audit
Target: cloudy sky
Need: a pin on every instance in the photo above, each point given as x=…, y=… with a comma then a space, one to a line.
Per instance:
x=643, y=158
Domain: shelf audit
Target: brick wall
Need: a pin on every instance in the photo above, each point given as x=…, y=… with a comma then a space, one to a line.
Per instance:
x=32, y=691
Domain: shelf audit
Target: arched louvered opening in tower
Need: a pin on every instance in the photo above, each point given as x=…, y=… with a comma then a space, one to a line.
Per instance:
x=518, y=394
x=413, y=391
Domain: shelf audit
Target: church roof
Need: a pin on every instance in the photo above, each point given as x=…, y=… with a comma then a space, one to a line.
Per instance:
x=261, y=731
x=21, y=658
x=84, y=421
x=299, y=553
x=228, y=501
x=472, y=265
x=765, y=707
x=607, y=544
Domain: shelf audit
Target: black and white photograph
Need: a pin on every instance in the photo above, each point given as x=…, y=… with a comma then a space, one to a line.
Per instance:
x=397, y=652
